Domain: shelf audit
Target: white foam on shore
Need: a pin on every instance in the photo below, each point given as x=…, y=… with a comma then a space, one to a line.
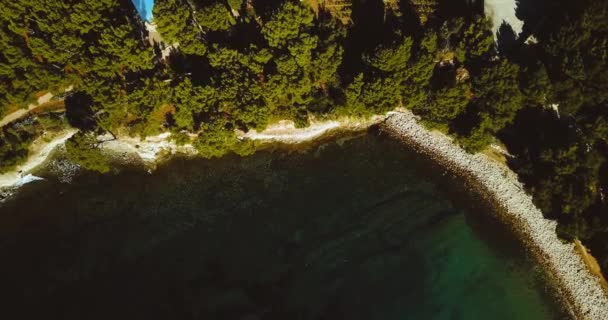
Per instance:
x=18, y=176
x=581, y=289
x=27, y=179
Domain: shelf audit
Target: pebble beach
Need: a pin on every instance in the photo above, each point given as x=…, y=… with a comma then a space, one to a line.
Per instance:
x=576, y=285
x=580, y=290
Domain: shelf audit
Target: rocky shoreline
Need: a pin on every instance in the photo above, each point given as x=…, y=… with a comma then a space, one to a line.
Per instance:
x=153, y=150
x=580, y=290
x=39, y=152
x=577, y=286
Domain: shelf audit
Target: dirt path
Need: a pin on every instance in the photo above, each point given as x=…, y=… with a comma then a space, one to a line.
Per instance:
x=22, y=112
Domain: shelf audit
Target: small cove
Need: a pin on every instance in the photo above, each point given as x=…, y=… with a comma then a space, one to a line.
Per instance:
x=357, y=230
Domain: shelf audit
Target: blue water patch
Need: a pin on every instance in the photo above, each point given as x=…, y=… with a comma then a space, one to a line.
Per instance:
x=144, y=8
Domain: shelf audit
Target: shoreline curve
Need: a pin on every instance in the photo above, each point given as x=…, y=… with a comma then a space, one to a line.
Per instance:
x=579, y=289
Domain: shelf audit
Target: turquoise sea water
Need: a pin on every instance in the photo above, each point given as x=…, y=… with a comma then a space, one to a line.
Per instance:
x=358, y=230
x=144, y=8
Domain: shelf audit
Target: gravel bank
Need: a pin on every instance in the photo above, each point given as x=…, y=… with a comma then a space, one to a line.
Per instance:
x=580, y=289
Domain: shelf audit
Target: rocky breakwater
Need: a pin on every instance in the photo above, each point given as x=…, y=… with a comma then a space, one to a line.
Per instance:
x=576, y=285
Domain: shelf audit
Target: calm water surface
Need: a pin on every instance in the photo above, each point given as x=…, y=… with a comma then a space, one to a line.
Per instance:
x=357, y=230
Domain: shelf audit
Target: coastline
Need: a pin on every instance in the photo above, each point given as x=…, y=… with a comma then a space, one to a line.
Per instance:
x=153, y=150
x=580, y=290
x=39, y=152
x=285, y=132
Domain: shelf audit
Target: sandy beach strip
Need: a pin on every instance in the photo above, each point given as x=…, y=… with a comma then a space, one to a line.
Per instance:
x=577, y=286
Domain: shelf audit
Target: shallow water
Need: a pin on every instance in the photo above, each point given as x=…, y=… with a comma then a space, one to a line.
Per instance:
x=357, y=230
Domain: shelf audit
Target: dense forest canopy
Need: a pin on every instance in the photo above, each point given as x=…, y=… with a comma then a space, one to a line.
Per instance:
x=236, y=64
